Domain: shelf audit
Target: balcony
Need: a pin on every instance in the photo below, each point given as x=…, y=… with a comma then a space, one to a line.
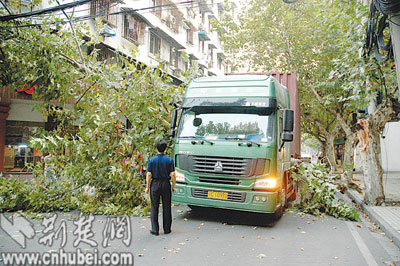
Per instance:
x=103, y=8
x=205, y=6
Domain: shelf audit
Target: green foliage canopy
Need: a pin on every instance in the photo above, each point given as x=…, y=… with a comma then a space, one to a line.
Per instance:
x=91, y=102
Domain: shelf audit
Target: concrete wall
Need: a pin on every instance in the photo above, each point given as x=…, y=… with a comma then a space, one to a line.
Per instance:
x=390, y=147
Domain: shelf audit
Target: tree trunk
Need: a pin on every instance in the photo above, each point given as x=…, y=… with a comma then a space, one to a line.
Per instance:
x=330, y=151
x=323, y=149
x=373, y=171
x=370, y=146
x=348, y=157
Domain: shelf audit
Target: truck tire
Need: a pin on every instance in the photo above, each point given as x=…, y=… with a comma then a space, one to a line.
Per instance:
x=279, y=212
x=292, y=190
x=195, y=208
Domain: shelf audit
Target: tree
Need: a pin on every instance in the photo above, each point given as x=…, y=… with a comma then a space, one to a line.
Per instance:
x=301, y=37
x=364, y=79
x=321, y=41
x=93, y=145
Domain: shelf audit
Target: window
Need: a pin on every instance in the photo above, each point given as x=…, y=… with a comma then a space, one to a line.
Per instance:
x=107, y=55
x=16, y=149
x=133, y=29
x=201, y=46
x=211, y=57
x=200, y=72
x=189, y=36
x=186, y=66
x=104, y=8
x=227, y=124
x=158, y=7
x=155, y=44
x=173, y=56
x=219, y=62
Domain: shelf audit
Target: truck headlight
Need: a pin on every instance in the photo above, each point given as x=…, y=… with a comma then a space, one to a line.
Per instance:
x=180, y=177
x=266, y=183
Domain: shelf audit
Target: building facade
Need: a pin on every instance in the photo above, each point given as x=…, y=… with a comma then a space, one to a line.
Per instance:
x=176, y=34
x=173, y=33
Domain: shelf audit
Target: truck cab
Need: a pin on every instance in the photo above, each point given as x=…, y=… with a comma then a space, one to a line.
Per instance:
x=232, y=145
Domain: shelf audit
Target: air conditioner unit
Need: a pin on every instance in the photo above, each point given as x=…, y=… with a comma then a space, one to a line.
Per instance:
x=173, y=20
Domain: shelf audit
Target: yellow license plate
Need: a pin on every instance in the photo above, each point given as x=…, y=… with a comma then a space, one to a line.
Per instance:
x=218, y=195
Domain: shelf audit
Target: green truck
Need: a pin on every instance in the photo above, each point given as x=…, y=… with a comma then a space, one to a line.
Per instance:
x=234, y=137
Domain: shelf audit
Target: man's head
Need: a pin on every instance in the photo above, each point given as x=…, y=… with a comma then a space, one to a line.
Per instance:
x=161, y=146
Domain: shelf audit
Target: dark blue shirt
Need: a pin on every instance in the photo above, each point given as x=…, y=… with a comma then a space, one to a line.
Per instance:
x=160, y=166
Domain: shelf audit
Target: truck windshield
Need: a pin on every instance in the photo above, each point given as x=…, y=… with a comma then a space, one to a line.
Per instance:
x=226, y=126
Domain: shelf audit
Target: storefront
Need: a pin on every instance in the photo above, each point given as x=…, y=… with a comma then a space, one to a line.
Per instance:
x=17, y=152
x=18, y=122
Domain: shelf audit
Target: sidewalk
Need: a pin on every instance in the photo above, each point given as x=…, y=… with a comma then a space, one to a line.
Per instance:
x=386, y=217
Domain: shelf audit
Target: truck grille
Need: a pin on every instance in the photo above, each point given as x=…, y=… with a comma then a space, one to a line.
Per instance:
x=232, y=196
x=218, y=180
x=228, y=166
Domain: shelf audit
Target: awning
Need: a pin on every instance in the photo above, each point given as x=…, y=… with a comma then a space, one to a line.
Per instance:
x=203, y=36
x=140, y=17
x=168, y=38
x=108, y=31
x=193, y=57
x=220, y=54
x=201, y=65
x=211, y=46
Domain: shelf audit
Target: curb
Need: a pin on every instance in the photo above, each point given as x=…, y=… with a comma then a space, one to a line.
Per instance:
x=389, y=231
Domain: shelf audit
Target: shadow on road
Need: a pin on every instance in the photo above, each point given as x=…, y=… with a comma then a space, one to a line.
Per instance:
x=231, y=217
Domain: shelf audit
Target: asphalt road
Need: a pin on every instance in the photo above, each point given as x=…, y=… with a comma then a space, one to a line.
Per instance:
x=220, y=237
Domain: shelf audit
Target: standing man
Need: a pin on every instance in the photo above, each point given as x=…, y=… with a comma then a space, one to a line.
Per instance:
x=160, y=171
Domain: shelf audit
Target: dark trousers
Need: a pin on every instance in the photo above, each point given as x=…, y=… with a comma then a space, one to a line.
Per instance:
x=160, y=188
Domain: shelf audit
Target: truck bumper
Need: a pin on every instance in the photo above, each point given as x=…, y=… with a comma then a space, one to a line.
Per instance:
x=253, y=201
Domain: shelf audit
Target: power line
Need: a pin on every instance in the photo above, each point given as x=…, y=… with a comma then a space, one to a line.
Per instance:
x=6, y=7
x=131, y=11
x=88, y=17
x=70, y=5
x=43, y=11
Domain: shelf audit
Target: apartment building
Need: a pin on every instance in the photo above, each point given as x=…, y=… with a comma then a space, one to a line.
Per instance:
x=176, y=34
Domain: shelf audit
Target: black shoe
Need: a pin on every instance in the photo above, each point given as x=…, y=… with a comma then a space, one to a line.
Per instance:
x=154, y=233
x=167, y=232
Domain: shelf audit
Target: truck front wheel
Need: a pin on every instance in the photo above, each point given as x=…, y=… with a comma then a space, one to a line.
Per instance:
x=279, y=212
x=195, y=208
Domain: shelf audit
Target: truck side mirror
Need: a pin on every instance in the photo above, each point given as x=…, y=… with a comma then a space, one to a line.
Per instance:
x=173, y=122
x=287, y=136
x=288, y=120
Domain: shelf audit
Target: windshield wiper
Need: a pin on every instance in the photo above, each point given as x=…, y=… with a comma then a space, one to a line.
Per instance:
x=195, y=141
x=202, y=141
x=247, y=142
